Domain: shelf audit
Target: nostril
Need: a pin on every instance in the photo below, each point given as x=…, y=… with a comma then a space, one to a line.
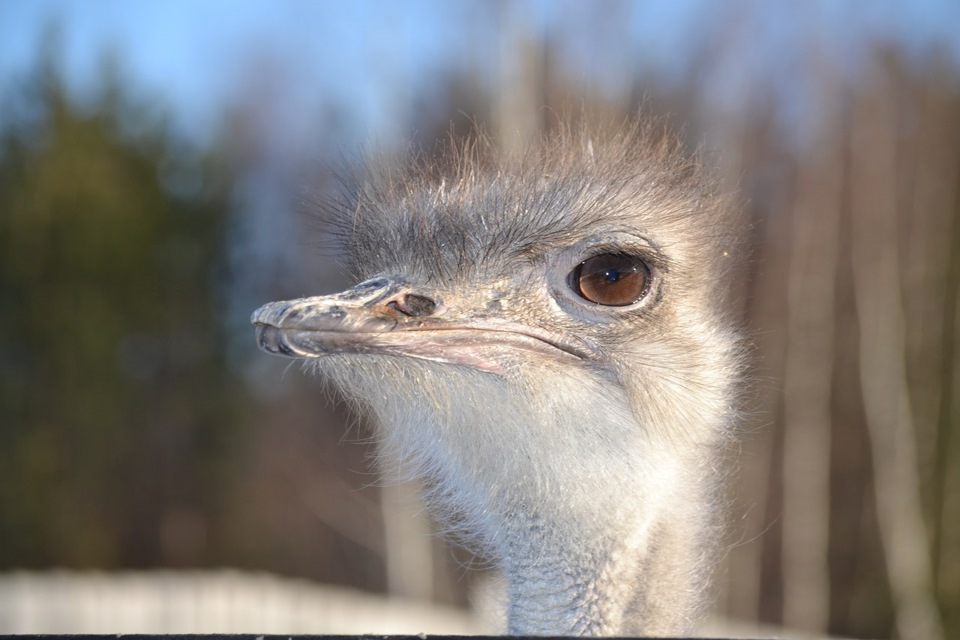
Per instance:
x=413, y=305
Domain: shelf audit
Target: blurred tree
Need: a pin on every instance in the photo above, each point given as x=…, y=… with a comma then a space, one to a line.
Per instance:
x=115, y=395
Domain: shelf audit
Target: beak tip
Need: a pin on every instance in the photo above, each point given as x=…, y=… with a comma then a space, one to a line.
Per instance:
x=269, y=314
x=256, y=316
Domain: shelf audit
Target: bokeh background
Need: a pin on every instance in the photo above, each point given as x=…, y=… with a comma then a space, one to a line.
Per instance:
x=158, y=161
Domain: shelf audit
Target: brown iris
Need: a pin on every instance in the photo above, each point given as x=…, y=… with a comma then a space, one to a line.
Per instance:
x=611, y=279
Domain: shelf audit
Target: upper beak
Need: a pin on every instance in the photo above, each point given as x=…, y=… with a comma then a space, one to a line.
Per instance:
x=312, y=327
x=386, y=316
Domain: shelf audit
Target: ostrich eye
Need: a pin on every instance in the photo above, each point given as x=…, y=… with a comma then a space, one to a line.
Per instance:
x=611, y=279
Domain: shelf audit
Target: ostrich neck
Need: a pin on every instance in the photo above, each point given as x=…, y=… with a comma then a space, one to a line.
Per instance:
x=596, y=520
x=561, y=585
x=630, y=573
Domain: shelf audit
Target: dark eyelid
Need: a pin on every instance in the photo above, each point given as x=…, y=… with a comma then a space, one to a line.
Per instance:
x=655, y=261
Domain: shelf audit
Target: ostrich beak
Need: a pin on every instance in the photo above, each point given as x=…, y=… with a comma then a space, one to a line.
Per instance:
x=336, y=323
x=386, y=316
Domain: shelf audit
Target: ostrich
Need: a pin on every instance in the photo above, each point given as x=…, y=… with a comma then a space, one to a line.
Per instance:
x=543, y=336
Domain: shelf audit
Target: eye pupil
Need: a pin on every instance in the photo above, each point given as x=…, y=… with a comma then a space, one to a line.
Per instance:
x=610, y=279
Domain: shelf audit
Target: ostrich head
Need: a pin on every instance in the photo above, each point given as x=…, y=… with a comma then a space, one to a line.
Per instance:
x=543, y=338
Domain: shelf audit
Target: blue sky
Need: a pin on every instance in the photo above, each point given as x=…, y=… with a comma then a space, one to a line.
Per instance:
x=367, y=55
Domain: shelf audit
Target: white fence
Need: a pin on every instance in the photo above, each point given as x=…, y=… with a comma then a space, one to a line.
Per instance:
x=209, y=602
